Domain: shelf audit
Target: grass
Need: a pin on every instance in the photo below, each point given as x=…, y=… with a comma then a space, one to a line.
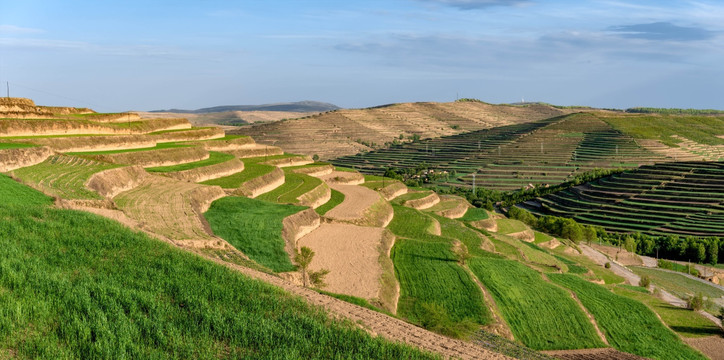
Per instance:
x=178, y=130
x=456, y=230
x=157, y=147
x=411, y=223
x=541, y=315
x=701, y=129
x=214, y=158
x=599, y=272
x=75, y=285
x=541, y=237
x=63, y=176
x=412, y=196
x=252, y=169
x=254, y=227
x=336, y=199
x=629, y=325
x=428, y=273
x=533, y=254
x=509, y=226
x=475, y=214
x=678, y=284
x=683, y=321
x=295, y=185
x=354, y=300
x=5, y=146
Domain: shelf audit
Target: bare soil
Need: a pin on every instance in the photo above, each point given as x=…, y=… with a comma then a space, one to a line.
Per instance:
x=357, y=200
x=351, y=254
x=711, y=346
x=592, y=354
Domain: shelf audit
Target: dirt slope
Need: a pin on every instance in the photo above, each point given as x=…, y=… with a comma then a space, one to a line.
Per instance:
x=346, y=132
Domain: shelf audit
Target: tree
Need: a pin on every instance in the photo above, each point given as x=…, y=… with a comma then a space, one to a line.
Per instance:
x=462, y=252
x=303, y=258
x=713, y=252
x=315, y=157
x=701, y=253
x=695, y=303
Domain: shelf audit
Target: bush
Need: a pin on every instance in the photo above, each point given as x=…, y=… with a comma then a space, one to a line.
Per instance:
x=607, y=265
x=645, y=281
x=695, y=303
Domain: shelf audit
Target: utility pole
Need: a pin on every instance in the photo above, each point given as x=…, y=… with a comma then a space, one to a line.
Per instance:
x=498, y=150
x=478, y=144
x=473, y=184
x=8, y=85
x=541, y=147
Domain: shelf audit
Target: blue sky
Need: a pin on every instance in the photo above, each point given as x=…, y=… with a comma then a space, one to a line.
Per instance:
x=143, y=55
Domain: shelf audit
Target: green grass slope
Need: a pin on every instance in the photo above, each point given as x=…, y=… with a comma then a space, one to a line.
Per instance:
x=74, y=285
x=629, y=325
x=254, y=227
x=63, y=176
x=541, y=315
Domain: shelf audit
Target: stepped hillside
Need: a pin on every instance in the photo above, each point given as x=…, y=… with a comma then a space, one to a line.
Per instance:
x=234, y=240
x=552, y=151
x=347, y=132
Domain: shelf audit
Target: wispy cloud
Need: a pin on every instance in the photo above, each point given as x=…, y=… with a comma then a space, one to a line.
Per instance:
x=478, y=4
x=12, y=29
x=81, y=46
x=663, y=31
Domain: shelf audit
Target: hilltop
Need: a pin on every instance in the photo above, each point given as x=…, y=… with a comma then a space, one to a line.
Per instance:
x=349, y=131
x=299, y=106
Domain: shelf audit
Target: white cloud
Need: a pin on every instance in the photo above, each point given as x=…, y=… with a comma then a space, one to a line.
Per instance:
x=12, y=29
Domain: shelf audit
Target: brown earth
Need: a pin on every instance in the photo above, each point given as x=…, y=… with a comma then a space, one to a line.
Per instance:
x=423, y=203
x=316, y=171
x=249, y=117
x=109, y=183
x=316, y=197
x=11, y=159
x=343, y=178
x=290, y=161
x=253, y=150
x=487, y=224
x=34, y=127
x=296, y=226
x=93, y=143
x=171, y=208
x=227, y=144
x=711, y=346
x=343, y=132
x=190, y=135
x=204, y=173
x=160, y=157
x=623, y=257
x=526, y=235
x=357, y=200
x=393, y=190
x=351, y=254
x=262, y=184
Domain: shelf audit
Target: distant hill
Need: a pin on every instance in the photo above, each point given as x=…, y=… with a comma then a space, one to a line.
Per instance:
x=349, y=131
x=299, y=106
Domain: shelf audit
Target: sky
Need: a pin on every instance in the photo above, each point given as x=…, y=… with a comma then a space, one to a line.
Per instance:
x=147, y=55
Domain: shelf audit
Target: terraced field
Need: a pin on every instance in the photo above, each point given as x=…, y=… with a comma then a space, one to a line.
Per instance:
x=63, y=176
x=548, y=151
x=684, y=198
x=541, y=315
x=623, y=319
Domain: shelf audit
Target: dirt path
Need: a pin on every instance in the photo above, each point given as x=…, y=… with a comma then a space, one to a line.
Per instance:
x=357, y=199
x=377, y=323
x=627, y=274
x=351, y=254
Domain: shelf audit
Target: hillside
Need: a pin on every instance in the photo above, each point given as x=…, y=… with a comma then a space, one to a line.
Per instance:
x=349, y=131
x=212, y=212
x=551, y=151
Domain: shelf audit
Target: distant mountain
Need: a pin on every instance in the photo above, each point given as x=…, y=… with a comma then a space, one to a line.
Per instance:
x=299, y=106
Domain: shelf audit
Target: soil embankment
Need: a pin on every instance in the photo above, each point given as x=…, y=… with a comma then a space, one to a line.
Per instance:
x=11, y=159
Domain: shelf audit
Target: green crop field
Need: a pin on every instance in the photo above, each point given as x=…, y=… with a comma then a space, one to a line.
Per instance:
x=454, y=229
x=475, y=214
x=411, y=223
x=4, y=146
x=254, y=227
x=541, y=315
x=336, y=199
x=252, y=169
x=683, y=321
x=295, y=185
x=159, y=146
x=63, y=176
x=599, y=271
x=214, y=158
x=509, y=226
x=429, y=274
x=678, y=284
x=629, y=325
x=75, y=285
